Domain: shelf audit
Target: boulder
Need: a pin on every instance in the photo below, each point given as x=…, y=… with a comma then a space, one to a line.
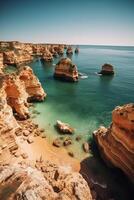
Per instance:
x=57, y=142
x=86, y=147
x=64, y=128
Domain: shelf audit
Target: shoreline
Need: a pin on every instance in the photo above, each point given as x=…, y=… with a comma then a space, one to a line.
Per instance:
x=41, y=148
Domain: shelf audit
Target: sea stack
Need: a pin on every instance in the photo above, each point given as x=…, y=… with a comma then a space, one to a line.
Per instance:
x=116, y=143
x=32, y=85
x=107, y=69
x=69, y=51
x=66, y=70
x=77, y=50
x=47, y=56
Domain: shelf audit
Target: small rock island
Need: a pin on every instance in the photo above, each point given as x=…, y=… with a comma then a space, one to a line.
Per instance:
x=65, y=70
x=107, y=69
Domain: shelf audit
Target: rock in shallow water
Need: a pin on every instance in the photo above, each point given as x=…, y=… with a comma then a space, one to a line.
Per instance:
x=64, y=128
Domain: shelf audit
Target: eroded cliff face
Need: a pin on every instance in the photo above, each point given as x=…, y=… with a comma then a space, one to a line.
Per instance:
x=50, y=182
x=10, y=58
x=6, y=115
x=8, y=125
x=116, y=143
x=66, y=70
x=17, y=57
x=1, y=63
x=17, y=96
x=24, y=179
x=32, y=84
x=47, y=56
x=23, y=56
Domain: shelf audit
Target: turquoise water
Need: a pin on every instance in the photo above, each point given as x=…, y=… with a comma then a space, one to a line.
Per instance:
x=87, y=104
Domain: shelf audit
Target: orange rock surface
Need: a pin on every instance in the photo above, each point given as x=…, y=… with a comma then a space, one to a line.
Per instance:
x=66, y=70
x=32, y=84
x=116, y=143
x=17, y=96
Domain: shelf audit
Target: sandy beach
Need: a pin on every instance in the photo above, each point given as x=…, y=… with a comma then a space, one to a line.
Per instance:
x=41, y=149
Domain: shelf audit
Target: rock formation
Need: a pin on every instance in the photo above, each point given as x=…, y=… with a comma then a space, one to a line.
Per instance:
x=47, y=182
x=47, y=56
x=107, y=69
x=32, y=85
x=69, y=51
x=66, y=70
x=10, y=58
x=116, y=143
x=64, y=128
x=23, y=57
x=6, y=115
x=77, y=50
x=17, y=96
x=16, y=57
x=1, y=63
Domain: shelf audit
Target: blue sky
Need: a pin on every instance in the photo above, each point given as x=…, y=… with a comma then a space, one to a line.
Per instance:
x=109, y=22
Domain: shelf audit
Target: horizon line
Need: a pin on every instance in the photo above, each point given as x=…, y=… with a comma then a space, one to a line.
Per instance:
x=118, y=45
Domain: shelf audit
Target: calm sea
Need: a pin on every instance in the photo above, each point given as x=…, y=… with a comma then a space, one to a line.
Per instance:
x=86, y=105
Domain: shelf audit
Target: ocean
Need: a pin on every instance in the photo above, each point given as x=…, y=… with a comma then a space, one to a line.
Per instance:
x=89, y=103
x=86, y=105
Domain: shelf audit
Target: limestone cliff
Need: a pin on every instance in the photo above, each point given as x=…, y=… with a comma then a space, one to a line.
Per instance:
x=32, y=84
x=66, y=70
x=23, y=57
x=10, y=58
x=116, y=143
x=17, y=96
x=47, y=56
x=6, y=115
x=1, y=63
x=50, y=182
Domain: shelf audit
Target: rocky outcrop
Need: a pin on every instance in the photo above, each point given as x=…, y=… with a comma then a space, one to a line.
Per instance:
x=77, y=50
x=66, y=70
x=32, y=85
x=116, y=143
x=6, y=115
x=64, y=128
x=47, y=182
x=8, y=125
x=107, y=69
x=47, y=56
x=16, y=57
x=1, y=63
x=10, y=58
x=23, y=57
x=17, y=96
x=69, y=51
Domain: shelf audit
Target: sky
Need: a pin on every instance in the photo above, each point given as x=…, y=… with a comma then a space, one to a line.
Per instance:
x=95, y=22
